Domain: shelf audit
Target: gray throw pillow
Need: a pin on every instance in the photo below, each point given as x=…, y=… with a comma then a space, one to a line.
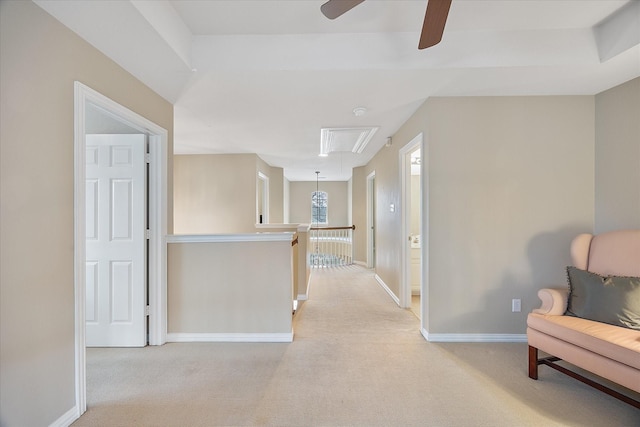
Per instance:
x=609, y=299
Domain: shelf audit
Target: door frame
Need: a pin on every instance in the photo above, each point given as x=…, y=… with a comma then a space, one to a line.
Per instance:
x=263, y=185
x=371, y=219
x=405, y=194
x=157, y=212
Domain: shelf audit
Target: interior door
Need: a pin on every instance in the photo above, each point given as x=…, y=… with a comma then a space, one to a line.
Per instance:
x=116, y=240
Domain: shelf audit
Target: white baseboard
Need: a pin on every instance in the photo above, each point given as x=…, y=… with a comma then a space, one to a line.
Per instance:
x=230, y=337
x=67, y=418
x=302, y=297
x=362, y=263
x=473, y=337
x=386, y=288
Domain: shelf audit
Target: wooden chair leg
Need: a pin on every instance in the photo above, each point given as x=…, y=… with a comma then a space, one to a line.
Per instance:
x=533, y=363
x=550, y=362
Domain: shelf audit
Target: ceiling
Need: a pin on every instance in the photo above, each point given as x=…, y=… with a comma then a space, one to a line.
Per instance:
x=266, y=76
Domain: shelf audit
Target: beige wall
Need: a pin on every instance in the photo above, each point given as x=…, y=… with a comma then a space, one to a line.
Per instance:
x=39, y=61
x=618, y=158
x=216, y=193
x=359, y=213
x=285, y=200
x=210, y=290
x=263, y=168
x=276, y=190
x=300, y=201
x=388, y=237
x=506, y=193
x=276, y=195
x=304, y=266
x=350, y=201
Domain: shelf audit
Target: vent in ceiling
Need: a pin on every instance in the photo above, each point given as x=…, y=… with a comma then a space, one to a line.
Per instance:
x=345, y=139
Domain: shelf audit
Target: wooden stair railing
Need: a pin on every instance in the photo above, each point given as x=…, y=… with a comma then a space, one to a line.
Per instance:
x=331, y=246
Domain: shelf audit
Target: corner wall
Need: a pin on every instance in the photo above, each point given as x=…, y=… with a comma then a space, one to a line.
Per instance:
x=617, y=166
x=510, y=183
x=276, y=195
x=39, y=61
x=215, y=193
x=507, y=192
x=286, y=203
x=359, y=214
x=213, y=296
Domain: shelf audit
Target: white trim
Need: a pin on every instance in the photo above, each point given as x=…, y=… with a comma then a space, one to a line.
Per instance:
x=474, y=338
x=230, y=337
x=386, y=288
x=425, y=301
x=67, y=418
x=286, y=236
x=79, y=210
x=157, y=245
x=329, y=138
x=405, y=189
x=361, y=263
x=278, y=226
x=158, y=146
x=304, y=227
x=264, y=181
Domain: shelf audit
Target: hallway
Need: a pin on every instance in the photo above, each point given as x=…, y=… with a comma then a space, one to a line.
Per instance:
x=356, y=359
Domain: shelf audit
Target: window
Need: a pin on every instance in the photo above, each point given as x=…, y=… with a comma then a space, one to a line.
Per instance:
x=319, y=203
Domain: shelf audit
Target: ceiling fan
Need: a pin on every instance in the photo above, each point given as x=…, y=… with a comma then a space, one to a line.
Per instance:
x=434, y=19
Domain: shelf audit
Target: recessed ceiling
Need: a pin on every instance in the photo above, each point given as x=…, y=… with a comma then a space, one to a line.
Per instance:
x=266, y=76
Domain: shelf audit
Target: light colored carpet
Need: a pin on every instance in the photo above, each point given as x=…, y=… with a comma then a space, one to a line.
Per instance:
x=356, y=360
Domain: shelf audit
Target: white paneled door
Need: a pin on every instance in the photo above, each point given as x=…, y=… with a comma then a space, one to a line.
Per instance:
x=116, y=241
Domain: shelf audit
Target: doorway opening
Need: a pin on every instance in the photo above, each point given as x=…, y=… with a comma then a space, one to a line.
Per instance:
x=262, y=199
x=371, y=220
x=86, y=102
x=413, y=247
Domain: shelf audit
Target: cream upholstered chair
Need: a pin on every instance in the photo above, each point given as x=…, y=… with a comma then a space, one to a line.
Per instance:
x=613, y=253
x=611, y=352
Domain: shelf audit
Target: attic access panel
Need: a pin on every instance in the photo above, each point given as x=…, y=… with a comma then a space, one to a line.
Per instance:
x=345, y=139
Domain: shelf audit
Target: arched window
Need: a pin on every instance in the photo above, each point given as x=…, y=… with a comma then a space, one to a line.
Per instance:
x=319, y=205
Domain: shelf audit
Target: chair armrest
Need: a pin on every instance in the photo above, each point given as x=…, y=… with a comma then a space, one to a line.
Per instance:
x=554, y=301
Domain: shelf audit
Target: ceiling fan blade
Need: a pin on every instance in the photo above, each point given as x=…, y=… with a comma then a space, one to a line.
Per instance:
x=434, y=20
x=334, y=8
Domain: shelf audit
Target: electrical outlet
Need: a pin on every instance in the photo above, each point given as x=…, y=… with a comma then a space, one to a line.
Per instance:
x=516, y=305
